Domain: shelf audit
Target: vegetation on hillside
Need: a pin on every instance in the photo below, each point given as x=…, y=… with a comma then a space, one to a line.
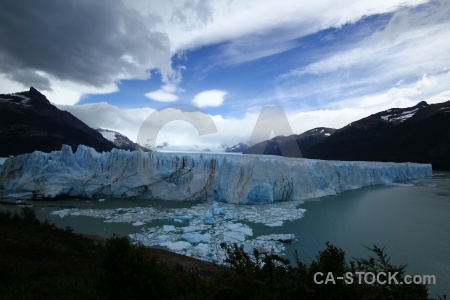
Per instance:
x=40, y=261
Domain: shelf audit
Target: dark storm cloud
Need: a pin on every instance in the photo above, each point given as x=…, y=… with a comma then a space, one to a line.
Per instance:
x=84, y=41
x=30, y=78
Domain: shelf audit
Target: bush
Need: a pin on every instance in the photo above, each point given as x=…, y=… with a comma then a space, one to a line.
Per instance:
x=130, y=272
x=380, y=264
x=330, y=260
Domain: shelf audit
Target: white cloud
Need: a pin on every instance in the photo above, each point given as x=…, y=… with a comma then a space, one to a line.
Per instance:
x=104, y=115
x=161, y=96
x=433, y=89
x=135, y=36
x=111, y=44
x=211, y=98
x=167, y=92
x=10, y=86
x=403, y=63
x=230, y=131
x=63, y=92
x=192, y=24
x=413, y=42
x=273, y=27
x=391, y=68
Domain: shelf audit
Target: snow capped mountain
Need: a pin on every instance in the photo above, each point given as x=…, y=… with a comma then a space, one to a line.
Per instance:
x=393, y=116
x=120, y=141
x=399, y=115
x=29, y=122
x=108, y=134
x=238, y=148
x=419, y=134
x=304, y=141
x=192, y=148
x=17, y=99
x=243, y=179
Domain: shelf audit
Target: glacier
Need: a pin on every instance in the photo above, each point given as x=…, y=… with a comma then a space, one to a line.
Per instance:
x=230, y=178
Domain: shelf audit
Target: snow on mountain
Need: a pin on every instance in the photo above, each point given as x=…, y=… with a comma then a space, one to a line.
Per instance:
x=244, y=179
x=120, y=141
x=300, y=141
x=108, y=134
x=399, y=116
x=393, y=116
x=29, y=122
x=420, y=133
x=238, y=148
x=15, y=98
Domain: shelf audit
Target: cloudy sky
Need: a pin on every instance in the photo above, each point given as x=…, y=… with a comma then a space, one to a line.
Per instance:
x=325, y=62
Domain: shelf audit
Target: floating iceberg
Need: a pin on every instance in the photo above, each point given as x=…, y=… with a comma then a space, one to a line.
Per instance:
x=138, y=223
x=244, y=179
x=194, y=237
x=285, y=238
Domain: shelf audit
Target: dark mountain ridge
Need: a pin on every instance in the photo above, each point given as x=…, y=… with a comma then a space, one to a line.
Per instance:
x=416, y=134
x=420, y=133
x=238, y=148
x=304, y=141
x=121, y=141
x=29, y=122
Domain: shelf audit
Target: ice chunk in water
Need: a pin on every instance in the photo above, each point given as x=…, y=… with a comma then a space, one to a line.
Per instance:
x=196, y=237
x=176, y=246
x=285, y=238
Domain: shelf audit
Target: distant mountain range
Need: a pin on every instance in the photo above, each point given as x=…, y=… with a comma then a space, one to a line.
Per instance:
x=305, y=141
x=29, y=122
x=238, y=148
x=416, y=134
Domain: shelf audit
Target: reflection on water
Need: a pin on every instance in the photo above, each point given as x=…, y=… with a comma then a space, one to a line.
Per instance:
x=410, y=219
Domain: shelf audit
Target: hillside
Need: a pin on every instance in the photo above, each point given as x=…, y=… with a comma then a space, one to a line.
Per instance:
x=416, y=134
x=304, y=141
x=420, y=133
x=29, y=122
x=120, y=141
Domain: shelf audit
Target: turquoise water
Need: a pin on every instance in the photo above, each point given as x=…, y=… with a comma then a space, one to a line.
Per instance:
x=412, y=220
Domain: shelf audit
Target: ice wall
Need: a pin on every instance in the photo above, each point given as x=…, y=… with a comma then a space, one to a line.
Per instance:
x=249, y=179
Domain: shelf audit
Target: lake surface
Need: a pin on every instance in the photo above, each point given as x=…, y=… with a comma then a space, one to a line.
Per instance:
x=411, y=219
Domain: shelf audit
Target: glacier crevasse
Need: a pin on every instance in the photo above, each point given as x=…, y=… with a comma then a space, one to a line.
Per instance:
x=245, y=179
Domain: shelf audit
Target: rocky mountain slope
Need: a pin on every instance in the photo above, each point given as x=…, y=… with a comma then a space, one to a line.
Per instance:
x=238, y=148
x=304, y=141
x=29, y=122
x=414, y=134
x=120, y=141
x=417, y=134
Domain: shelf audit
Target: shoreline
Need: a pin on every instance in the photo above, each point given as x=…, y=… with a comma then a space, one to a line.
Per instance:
x=169, y=258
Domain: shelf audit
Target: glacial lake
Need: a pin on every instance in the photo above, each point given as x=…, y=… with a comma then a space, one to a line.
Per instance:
x=410, y=219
